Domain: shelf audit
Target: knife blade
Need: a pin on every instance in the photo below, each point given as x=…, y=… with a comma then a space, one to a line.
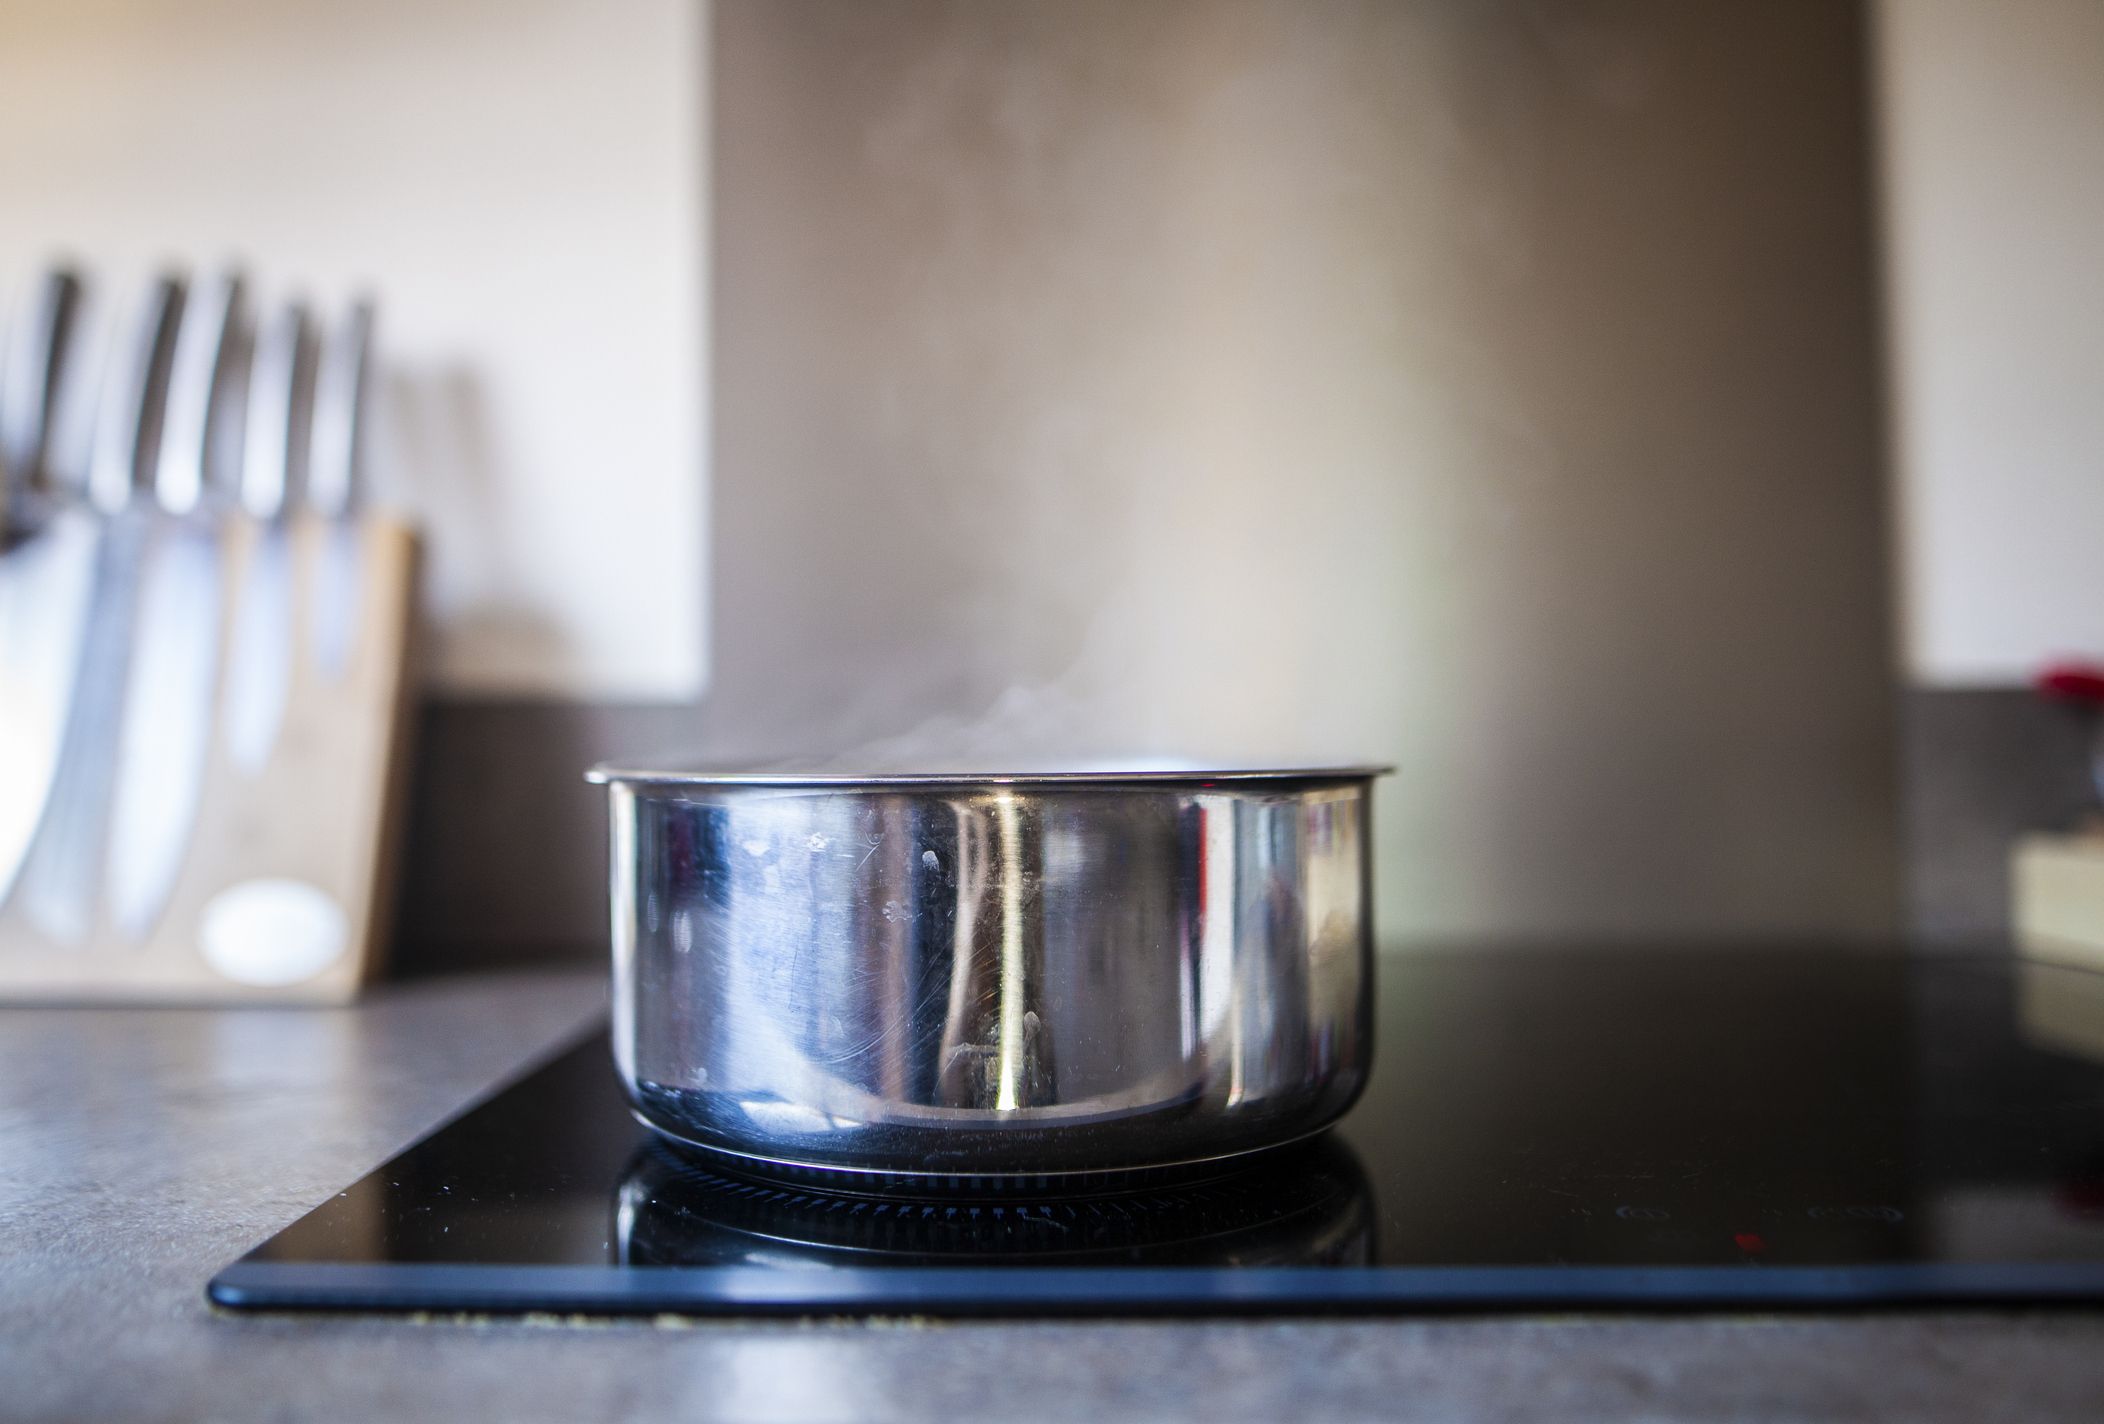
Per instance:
x=62, y=876
x=273, y=470
x=334, y=484
x=165, y=740
x=46, y=572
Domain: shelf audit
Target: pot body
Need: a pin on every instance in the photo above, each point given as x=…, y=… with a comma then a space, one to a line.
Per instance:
x=958, y=977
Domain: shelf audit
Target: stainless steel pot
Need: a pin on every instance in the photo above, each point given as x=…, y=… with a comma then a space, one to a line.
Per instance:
x=968, y=975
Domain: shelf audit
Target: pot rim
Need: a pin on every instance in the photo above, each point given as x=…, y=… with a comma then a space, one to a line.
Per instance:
x=609, y=773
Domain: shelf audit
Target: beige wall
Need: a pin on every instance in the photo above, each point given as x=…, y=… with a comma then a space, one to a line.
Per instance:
x=520, y=182
x=1992, y=124
x=1489, y=388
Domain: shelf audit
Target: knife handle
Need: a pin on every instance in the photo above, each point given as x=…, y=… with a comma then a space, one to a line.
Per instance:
x=334, y=474
x=134, y=390
x=207, y=342
x=29, y=389
x=280, y=412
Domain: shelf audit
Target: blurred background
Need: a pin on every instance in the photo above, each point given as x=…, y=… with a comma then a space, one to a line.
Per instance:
x=1666, y=432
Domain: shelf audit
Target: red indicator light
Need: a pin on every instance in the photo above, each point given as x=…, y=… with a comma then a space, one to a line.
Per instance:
x=1749, y=1242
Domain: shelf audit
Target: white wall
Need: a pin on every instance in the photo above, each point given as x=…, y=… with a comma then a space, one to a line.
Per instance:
x=1992, y=120
x=521, y=182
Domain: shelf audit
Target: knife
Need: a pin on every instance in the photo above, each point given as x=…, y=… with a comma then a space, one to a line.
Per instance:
x=29, y=393
x=334, y=483
x=165, y=740
x=273, y=470
x=60, y=878
x=45, y=572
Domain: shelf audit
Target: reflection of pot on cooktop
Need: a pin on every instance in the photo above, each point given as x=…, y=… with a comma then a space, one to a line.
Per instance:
x=1303, y=1205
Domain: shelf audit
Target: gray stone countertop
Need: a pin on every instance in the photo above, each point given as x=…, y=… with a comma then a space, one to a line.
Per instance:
x=140, y=1150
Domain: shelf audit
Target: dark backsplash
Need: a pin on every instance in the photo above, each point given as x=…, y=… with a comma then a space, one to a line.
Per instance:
x=506, y=856
x=1978, y=768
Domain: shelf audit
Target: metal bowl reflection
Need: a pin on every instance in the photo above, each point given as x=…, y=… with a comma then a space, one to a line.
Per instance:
x=1304, y=1205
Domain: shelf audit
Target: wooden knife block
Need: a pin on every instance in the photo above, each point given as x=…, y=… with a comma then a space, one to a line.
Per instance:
x=324, y=810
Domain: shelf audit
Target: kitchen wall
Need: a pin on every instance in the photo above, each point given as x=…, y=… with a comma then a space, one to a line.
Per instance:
x=1486, y=388
x=1490, y=388
x=521, y=183
x=1990, y=117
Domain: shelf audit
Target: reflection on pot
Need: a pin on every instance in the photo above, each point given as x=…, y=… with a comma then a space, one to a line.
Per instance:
x=1303, y=1205
x=964, y=975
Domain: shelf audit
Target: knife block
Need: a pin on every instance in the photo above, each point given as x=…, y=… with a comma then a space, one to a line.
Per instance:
x=321, y=815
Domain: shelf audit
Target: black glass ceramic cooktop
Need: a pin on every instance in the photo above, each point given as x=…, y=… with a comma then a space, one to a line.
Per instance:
x=1701, y=1128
